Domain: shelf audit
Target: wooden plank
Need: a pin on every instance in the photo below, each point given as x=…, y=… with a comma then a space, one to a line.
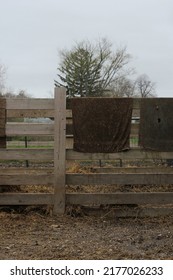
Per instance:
x=32, y=104
x=33, y=113
x=59, y=150
x=118, y=179
x=26, y=199
x=69, y=142
x=127, y=212
x=134, y=153
x=47, y=154
x=26, y=179
x=44, y=113
x=15, y=129
x=29, y=104
x=135, y=113
x=26, y=171
x=143, y=212
x=145, y=170
x=29, y=154
x=119, y=198
x=69, y=114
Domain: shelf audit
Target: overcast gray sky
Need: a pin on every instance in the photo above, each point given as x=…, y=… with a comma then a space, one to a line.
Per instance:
x=32, y=32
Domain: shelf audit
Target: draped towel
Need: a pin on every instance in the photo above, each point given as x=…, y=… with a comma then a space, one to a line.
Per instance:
x=101, y=125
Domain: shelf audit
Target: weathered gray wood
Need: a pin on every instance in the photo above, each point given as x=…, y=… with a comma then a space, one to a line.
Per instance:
x=29, y=104
x=127, y=212
x=134, y=153
x=47, y=154
x=44, y=113
x=23, y=154
x=26, y=171
x=15, y=129
x=119, y=198
x=143, y=212
x=30, y=113
x=26, y=199
x=69, y=114
x=127, y=170
x=59, y=150
x=26, y=179
x=119, y=179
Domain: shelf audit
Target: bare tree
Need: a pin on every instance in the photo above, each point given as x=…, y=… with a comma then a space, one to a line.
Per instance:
x=144, y=87
x=20, y=94
x=89, y=70
x=123, y=87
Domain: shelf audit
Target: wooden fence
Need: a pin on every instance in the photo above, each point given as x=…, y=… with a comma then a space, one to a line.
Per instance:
x=63, y=152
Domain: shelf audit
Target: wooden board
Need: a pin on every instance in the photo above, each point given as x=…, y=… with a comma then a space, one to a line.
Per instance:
x=134, y=153
x=59, y=151
x=29, y=104
x=26, y=199
x=26, y=154
x=26, y=179
x=119, y=179
x=125, y=211
x=29, y=129
x=119, y=198
x=33, y=113
x=134, y=170
x=47, y=154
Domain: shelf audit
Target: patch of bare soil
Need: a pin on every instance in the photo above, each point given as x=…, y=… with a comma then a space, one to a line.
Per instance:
x=30, y=233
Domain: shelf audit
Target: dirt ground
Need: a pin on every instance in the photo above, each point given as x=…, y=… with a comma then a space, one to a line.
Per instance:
x=31, y=233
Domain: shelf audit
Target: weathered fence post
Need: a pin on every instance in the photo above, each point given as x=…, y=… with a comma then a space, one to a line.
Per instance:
x=59, y=150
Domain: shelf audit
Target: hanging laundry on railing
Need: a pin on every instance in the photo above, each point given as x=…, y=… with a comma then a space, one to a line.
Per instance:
x=101, y=125
x=156, y=124
x=2, y=122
